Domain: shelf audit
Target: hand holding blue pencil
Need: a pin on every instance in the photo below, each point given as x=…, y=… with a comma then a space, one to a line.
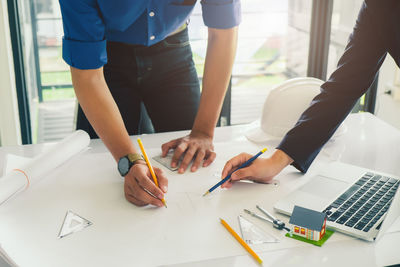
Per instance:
x=244, y=165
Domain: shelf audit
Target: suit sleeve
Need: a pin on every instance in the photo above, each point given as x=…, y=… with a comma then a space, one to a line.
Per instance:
x=356, y=70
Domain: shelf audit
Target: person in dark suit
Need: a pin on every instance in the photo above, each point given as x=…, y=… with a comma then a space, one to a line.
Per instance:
x=375, y=34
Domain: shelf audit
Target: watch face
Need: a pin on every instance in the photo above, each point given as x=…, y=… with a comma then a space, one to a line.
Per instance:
x=123, y=166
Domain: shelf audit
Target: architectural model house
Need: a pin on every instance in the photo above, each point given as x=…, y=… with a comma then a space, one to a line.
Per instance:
x=308, y=223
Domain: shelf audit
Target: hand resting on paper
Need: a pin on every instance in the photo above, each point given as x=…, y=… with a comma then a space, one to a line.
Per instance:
x=262, y=170
x=195, y=146
x=139, y=186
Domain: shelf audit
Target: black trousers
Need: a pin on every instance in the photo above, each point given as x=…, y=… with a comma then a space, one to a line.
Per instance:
x=162, y=77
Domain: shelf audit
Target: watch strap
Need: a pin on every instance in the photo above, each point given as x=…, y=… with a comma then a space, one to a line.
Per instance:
x=134, y=157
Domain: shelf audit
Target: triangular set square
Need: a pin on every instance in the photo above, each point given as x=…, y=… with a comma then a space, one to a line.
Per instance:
x=72, y=223
x=254, y=235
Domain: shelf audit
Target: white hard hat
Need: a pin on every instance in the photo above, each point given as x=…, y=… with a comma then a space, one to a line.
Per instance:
x=284, y=106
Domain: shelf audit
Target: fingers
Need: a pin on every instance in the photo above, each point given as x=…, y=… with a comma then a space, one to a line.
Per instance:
x=162, y=180
x=179, y=150
x=140, y=190
x=147, y=184
x=234, y=163
x=242, y=174
x=136, y=195
x=227, y=168
x=199, y=158
x=134, y=200
x=128, y=195
x=210, y=157
x=167, y=146
x=196, y=146
x=228, y=184
x=190, y=153
x=197, y=153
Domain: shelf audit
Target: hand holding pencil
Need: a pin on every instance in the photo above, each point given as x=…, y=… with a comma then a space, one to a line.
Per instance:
x=140, y=187
x=262, y=170
x=153, y=175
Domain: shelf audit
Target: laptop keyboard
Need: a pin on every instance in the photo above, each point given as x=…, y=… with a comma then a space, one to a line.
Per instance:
x=364, y=203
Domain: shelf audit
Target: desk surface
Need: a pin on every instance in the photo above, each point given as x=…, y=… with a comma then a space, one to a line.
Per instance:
x=122, y=235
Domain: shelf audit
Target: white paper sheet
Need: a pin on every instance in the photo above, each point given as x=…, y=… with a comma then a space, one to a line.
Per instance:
x=32, y=171
x=123, y=234
x=14, y=162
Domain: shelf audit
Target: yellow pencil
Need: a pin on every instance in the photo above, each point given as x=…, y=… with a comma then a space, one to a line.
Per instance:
x=150, y=167
x=241, y=241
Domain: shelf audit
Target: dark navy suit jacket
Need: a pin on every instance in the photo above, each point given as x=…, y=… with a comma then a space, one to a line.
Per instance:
x=376, y=33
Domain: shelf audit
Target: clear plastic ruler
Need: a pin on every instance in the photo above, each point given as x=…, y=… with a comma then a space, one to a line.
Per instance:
x=254, y=235
x=72, y=224
x=166, y=162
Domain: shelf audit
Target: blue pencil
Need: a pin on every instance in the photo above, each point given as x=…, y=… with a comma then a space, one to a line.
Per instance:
x=244, y=165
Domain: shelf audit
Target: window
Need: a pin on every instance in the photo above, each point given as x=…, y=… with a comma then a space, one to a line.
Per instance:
x=274, y=41
x=272, y=45
x=47, y=79
x=344, y=17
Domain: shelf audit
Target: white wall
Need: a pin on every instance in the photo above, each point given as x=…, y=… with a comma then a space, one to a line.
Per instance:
x=386, y=107
x=10, y=133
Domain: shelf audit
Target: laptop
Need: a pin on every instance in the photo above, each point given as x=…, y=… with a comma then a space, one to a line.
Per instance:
x=357, y=201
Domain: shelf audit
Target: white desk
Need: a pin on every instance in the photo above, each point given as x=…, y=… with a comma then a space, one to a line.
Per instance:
x=119, y=238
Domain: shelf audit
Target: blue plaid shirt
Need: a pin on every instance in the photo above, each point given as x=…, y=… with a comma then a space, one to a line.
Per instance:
x=88, y=24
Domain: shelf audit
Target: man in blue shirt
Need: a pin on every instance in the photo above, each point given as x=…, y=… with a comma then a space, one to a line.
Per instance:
x=143, y=46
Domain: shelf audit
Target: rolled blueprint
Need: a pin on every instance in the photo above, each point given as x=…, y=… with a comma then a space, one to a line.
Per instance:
x=20, y=179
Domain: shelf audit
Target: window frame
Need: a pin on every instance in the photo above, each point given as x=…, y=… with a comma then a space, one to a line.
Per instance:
x=19, y=72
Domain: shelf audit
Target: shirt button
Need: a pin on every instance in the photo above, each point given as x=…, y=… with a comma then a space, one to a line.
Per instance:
x=151, y=14
x=152, y=37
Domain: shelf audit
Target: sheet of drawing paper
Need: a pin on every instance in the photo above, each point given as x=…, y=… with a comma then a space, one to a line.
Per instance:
x=14, y=162
x=123, y=234
x=32, y=171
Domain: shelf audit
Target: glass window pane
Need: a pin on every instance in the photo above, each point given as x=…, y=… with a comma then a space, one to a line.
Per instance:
x=273, y=43
x=344, y=17
x=56, y=111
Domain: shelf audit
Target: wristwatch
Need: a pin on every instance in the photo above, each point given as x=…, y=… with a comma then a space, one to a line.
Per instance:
x=126, y=162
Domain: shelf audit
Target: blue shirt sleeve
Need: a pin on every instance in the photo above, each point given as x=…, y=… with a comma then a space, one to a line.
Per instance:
x=221, y=14
x=84, y=44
